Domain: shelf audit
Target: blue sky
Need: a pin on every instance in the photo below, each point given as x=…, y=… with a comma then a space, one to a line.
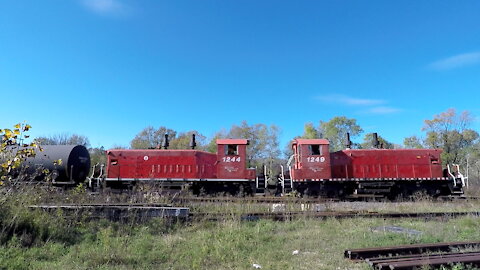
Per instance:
x=108, y=68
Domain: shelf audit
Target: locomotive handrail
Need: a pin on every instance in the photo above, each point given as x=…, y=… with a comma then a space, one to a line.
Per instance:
x=93, y=170
x=101, y=170
x=256, y=178
x=101, y=175
x=458, y=176
x=265, y=177
x=290, y=159
x=282, y=179
x=291, y=178
x=462, y=178
x=91, y=176
x=450, y=172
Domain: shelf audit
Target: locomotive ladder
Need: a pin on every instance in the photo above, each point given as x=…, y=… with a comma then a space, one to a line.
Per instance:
x=94, y=183
x=261, y=183
x=285, y=183
x=458, y=179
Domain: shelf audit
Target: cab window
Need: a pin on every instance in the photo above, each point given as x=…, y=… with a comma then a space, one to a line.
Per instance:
x=315, y=150
x=231, y=150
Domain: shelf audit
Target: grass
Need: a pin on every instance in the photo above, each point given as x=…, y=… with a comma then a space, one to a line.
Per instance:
x=37, y=240
x=228, y=245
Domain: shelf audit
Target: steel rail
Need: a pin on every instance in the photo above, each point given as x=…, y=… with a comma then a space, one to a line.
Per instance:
x=417, y=256
x=473, y=259
x=366, y=253
x=423, y=260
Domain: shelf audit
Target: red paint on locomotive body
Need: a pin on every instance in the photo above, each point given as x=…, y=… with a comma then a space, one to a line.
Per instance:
x=157, y=163
x=160, y=164
x=387, y=163
x=311, y=159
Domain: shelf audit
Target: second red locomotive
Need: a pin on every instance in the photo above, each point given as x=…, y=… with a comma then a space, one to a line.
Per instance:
x=358, y=172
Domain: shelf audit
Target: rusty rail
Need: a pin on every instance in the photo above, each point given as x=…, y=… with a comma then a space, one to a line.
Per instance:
x=395, y=257
x=445, y=260
x=436, y=260
x=365, y=253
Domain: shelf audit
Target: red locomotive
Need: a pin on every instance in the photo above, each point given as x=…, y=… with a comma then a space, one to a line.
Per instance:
x=312, y=170
x=358, y=172
x=224, y=171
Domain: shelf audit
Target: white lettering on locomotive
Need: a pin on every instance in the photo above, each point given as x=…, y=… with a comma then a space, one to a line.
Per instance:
x=315, y=159
x=231, y=159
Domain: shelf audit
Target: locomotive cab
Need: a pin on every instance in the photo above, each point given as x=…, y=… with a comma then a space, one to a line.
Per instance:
x=232, y=159
x=311, y=159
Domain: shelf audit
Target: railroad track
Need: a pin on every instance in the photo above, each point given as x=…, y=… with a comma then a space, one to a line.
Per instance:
x=285, y=216
x=417, y=256
x=296, y=199
x=117, y=212
x=250, y=200
x=140, y=208
x=102, y=205
x=187, y=201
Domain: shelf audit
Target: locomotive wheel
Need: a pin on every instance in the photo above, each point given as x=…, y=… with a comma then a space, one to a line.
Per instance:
x=421, y=195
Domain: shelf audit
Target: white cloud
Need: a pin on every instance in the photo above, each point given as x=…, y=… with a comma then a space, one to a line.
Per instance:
x=369, y=106
x=457, y=61
x=382, y=110
x=351, y=101
x=105, y=7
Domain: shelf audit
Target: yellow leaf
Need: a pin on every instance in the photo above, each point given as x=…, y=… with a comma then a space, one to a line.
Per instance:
x=8, y=133
x=16, y=131
x=17, y=125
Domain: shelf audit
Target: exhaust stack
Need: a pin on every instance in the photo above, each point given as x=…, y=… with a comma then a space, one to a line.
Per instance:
x=193, y=143
x=348, y=142
x=375, y=141
x=165, y=143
